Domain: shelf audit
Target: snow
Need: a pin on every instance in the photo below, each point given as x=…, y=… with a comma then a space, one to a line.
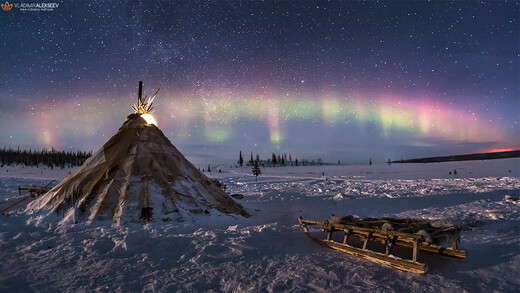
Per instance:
x=268, y=251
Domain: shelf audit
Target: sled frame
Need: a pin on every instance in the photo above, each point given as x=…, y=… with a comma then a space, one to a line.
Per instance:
x=390, y=238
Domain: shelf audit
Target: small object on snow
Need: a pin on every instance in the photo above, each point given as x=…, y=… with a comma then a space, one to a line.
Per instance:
x=218, y=183
x=237, y=195
x=512, y=198
x=408, y=233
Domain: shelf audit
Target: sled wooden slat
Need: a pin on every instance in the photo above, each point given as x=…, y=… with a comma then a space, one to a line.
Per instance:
x=446, y=251
x=377, y=231
x=367, y=238
x=347, y=236
x=415, y=251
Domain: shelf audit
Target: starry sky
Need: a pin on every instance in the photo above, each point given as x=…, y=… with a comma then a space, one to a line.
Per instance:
x=337, y=80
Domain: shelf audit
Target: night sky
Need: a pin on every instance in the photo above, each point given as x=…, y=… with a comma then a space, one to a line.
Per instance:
x=337, y=80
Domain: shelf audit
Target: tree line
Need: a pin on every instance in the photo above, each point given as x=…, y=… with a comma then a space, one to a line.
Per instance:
x=50, y=158
x=277, y=160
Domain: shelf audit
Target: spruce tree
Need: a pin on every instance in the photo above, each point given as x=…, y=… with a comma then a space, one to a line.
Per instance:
x=256, y=171
x=241, y=160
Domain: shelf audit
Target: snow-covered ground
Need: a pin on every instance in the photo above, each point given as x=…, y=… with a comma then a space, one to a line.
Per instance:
x=268, y=251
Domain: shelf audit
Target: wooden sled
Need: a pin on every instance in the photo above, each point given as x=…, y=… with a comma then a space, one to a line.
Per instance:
x=391, y=238
x=35, y=191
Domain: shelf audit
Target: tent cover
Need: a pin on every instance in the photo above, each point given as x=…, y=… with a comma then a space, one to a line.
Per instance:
x=137, y=176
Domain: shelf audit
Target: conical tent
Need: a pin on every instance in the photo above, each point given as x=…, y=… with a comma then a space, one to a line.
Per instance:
x=138, y=175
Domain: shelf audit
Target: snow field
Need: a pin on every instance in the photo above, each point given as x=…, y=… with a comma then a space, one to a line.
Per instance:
x=268, y=251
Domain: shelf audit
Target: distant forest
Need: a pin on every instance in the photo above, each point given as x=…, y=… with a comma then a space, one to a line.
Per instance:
x=468, y=157
x=278, y=160
x=51, y=159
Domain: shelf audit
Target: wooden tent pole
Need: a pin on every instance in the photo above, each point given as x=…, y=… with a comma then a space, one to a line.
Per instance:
x=140, y=92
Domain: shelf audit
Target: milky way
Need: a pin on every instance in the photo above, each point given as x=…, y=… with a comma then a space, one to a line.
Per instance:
x=337, y=80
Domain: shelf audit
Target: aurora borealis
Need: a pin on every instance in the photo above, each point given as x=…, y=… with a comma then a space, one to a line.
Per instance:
x=338, y=80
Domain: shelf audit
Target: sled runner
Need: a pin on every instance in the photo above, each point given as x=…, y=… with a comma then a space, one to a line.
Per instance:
x=407, y=233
